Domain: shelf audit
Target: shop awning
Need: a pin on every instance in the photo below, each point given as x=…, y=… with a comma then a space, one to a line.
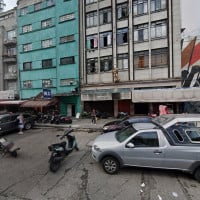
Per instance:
x=38, y=103
x=17, y=102
x=166, y=95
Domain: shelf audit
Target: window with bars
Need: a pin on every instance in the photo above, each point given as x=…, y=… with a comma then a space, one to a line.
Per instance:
x=106, y=63
x=92, y=65
x=27, y=28
x=27, y=66
x=46, y=23
x=50, y=2
x=67, y=60
x=47, y=63
x=90, y=1
x=68, y=38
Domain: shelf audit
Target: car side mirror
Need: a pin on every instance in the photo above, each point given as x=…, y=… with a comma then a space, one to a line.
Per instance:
x=130, y=145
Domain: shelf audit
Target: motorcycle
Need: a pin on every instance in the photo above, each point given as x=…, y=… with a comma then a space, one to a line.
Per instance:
x=60, y=150
x=8, y=147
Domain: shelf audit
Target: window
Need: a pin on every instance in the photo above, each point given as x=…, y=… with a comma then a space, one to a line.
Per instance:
x=159, y=29
x=122, y=61
x=106, y=63
x=141, y=33
x=68, y=38
x=141, y=59
x=27, y=84
x=11, y=34
x=67, y=17
x=91, y=19
x=67, y=60
x=90, y=1
x=105, y=39
x=122, y=36
x=122, y=11
x=105, y=16
x=157, y=5
x=27, y=47
x=46, y=23
x=47, y=63
x=92, y=65
x=47, y=43
x=46, y=83
x=27, y=66
x=24, y=11
x=69, y=81
x=159, y=57
x=140, y=7
x=178, y=135
x=50, y=2
x=38, y=6
x=92, y=41
x=146, y=139
x=27, y=28
x=193, y=134
x=12, y=51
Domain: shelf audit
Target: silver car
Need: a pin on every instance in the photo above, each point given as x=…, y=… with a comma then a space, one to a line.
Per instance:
x=151, y=145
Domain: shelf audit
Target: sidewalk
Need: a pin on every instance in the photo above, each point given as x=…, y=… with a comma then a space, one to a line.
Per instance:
x=80, y=124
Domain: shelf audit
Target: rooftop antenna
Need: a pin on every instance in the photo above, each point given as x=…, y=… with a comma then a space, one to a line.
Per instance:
x=2, y=5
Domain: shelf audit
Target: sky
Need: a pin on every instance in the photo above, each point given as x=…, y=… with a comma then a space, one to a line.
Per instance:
x=189, y=10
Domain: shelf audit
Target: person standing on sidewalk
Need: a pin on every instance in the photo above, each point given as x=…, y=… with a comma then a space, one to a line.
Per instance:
x=20, y=123
x=93, y=115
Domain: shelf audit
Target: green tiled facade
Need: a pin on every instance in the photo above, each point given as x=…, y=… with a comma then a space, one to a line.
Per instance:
x=48, y=51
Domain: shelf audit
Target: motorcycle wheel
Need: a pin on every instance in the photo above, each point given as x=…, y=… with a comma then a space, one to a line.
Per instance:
x=54, y=166
x=13, y=154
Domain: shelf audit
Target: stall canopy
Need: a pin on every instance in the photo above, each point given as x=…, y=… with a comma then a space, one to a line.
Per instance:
x=19, y=102
x=37, y=103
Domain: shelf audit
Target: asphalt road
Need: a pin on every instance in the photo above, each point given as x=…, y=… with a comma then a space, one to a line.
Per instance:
x=27, y=177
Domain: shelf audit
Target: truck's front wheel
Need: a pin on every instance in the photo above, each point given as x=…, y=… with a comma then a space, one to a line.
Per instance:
x=197, y=174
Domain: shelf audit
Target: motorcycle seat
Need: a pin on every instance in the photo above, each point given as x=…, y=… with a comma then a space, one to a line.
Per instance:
x=62, y=144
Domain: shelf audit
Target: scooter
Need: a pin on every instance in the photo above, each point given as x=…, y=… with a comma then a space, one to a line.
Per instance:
x=8, y=147
x=60, y=150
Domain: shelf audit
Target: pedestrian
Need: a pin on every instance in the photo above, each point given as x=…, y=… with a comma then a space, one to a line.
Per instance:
x=20, y=124
x=93, y=115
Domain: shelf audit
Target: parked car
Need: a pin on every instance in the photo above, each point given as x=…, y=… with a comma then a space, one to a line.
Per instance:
x=9, y=122
x=120, y=124
x=152, y=145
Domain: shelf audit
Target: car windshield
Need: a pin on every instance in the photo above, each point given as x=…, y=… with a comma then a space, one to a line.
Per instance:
x=125, y=133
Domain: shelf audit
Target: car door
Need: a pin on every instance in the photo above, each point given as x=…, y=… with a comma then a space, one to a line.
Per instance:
x=146, y=151
x=5, y=124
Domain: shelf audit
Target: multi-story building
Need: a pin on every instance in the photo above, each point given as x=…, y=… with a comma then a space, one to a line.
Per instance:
x=131, y=48
x=8, y=55
x=48, y=51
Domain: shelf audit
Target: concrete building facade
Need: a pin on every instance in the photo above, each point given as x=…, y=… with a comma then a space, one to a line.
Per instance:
x=127, y=46
x=8, y=55
x=48, y=51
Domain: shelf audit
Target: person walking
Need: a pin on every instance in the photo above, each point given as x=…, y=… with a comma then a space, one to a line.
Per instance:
x=20, y=124
x=93, y=115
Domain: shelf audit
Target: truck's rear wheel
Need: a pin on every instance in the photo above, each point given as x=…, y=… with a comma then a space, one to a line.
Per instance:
x=197, y=174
